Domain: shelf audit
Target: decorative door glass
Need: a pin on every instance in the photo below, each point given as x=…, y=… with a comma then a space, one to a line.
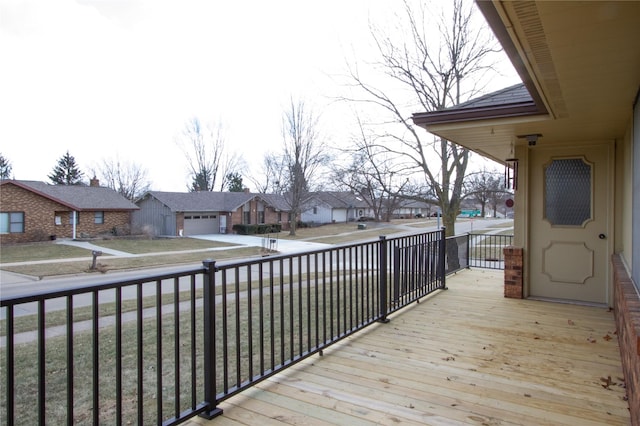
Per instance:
x=568, y=194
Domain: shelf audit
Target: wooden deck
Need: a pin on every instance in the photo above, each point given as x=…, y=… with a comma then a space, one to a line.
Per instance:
x=463, y=356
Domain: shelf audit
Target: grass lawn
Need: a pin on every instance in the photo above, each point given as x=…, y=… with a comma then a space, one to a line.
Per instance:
x=53, y=250
x=39, y=251
x=107, y=263
x=160, y=245
x=166, y=251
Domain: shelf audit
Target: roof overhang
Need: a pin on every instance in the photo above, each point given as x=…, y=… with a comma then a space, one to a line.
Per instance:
x=580, y=61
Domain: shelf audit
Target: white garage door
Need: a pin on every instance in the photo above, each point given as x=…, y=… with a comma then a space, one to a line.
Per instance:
x=201, y=223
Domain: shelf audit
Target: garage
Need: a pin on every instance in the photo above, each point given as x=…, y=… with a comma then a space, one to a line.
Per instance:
x=201, y=223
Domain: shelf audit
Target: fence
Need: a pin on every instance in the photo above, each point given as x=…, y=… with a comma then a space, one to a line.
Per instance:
x=487, y=250
x=165, y=348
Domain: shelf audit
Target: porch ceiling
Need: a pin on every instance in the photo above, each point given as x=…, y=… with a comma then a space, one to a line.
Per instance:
x=580, y=62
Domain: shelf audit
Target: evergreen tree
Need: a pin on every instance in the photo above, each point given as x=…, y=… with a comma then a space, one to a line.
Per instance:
x=235, y=182
x=66, y=172
x=201, y=181
x=5, y=167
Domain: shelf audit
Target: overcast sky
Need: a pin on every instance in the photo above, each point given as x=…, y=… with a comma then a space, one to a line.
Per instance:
x=119, y=78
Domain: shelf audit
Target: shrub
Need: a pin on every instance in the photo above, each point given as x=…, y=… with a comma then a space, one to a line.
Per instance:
x=252, y=229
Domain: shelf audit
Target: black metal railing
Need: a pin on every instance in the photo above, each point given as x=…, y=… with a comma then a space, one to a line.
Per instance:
x=487, y=250
x=456, y=253
x=162, y=349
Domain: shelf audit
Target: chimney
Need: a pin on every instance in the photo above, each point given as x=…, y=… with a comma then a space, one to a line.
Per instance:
x=247, y=191
x=94, y=182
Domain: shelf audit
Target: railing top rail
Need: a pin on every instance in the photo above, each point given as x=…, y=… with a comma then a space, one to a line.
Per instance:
x=72, y=289
x=144, y=277
x=275, y=257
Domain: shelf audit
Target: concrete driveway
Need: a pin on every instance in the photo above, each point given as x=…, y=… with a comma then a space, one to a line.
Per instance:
x=267, y=242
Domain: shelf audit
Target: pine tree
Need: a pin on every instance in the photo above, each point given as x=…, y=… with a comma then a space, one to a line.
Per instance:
x=201, y=181
x=5, y=167
x=66, y=172
x=235, y=182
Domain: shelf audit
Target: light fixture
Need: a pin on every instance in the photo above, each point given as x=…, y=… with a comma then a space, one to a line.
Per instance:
x=511, y=171
x=531, y=138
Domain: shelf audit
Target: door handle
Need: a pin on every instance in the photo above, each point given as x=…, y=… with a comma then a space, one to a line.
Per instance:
x=602, y=236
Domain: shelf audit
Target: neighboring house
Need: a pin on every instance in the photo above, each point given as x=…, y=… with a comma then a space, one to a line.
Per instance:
x=407, y=209
x=573, y=131
x=36, y=211
x=206, y=212
x=334, y=207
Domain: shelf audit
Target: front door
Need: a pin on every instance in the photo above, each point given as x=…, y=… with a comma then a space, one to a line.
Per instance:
x=570, y=208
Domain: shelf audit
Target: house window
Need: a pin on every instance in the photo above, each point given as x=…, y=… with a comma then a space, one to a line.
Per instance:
x=11, y=222
x=74, y=218
x=57, y=219
x=246, y=219
x=261, y=217
x=98, y=218
x=315, y=210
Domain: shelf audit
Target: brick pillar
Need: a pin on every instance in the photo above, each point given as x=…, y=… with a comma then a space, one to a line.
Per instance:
x=513, y=276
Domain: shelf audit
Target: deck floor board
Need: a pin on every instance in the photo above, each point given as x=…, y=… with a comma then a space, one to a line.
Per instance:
x=463, y=356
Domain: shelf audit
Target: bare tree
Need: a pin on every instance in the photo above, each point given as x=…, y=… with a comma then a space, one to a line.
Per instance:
x=128, y=178
x=429, y=71
x=480, y=186
x=207, y=157
x=271, y=177
x=372, y=175
x=302, y=155
x=231, y=166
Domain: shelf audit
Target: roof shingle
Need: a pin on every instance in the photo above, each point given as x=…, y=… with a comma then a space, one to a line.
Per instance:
x=78, y=197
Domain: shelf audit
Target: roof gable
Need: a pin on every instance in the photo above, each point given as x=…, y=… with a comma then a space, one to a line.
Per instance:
x=277, y=201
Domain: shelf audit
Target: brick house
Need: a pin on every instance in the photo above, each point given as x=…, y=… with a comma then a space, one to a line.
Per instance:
x=36, y=211
x=207, y=212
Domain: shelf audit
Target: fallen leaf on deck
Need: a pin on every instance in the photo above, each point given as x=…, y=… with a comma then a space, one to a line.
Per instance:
x=607, y=382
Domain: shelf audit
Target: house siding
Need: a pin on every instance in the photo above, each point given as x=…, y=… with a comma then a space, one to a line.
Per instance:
x=323, y=214
x=39, y=218
x=154, y=218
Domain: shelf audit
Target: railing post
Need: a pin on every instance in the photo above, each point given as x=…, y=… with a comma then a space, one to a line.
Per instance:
x=469, y=250
x=209, y=297
x=396, y=275
x=442, y=261
x=382, y=282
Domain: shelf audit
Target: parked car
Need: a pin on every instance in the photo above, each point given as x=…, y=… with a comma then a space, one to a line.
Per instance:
x=418, y=215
